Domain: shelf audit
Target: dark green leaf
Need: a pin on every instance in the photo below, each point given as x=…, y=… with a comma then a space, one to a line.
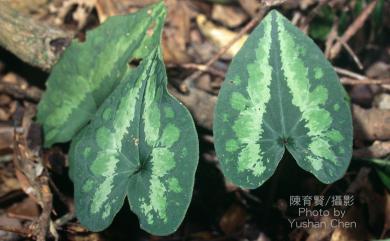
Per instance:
x=280, y=92
x=88, y=72
x=385, y=177
x=383, y=168
x=141, y=143
x=378, y=16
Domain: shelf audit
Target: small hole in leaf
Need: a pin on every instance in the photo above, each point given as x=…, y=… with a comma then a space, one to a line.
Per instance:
x=134, y=63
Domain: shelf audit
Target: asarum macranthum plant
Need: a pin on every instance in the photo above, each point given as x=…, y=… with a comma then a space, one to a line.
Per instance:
x=140, y=142
x=281, y=93
x=131, y=138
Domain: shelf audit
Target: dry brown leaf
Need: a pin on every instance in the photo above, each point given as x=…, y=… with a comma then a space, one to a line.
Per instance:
x=230, y=16
x=220, y=35
x=341, y=233
x=177, y=32
x=12, y=223
x=26, y=209
x=233, y=219
x=8, y=181
x=378, y=70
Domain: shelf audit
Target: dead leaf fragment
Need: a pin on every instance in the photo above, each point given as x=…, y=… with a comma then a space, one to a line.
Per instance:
x=382, y=101
x=230, y=16
x=251, y=6
x=378, y=70
x=80, y=14
x=6, y=138
x=371, y=124
x=177, y=32
x=233, y=219
x=220, y=35
x=27, y=208
x=341, y=233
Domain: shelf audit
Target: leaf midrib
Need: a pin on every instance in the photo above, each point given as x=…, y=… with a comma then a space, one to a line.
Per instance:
x=276, y=62
x=142, y=107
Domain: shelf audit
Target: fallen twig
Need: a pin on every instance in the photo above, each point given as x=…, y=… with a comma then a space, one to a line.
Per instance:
x=358, y=79
x=352, y=29
x=64, y=219
x=349, y=73
x=367, y=81
x=331, y=38
x=188, y=82
x=32, y=41
x=351, y=52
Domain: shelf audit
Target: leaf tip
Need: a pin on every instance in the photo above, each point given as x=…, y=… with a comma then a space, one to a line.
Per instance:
x=158, y=9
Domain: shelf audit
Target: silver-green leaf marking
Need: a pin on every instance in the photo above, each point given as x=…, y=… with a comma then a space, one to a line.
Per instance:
x=280, y=92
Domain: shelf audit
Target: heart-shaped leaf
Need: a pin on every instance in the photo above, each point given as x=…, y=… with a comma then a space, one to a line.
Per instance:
x=280, y=92
x=141, y=143
x=88, y=72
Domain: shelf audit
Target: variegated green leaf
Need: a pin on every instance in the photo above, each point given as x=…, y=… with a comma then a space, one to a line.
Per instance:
x=89, y=71
x=280, y=92
x=142, y=144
